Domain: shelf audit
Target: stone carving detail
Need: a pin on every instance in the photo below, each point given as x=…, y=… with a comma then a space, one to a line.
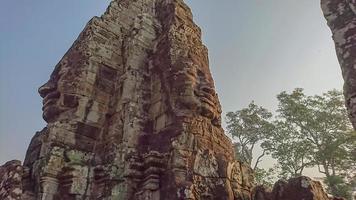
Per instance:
x=11, y=180
x=132, y=113
x=341, y=18
x=295, y=189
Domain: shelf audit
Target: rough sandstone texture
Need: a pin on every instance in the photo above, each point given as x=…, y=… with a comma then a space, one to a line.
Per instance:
x=295, y=189
x=11, y=180
x=132, y=113
x=341, y=18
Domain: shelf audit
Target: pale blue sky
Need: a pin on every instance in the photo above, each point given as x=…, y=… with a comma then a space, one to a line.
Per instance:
x=257, y=48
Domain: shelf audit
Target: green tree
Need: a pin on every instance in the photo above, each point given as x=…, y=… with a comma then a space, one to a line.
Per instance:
x=321, y=121
x=248, y=128
x=266, y=177
x=340, y=187
x=308, y=131
x=292, y=152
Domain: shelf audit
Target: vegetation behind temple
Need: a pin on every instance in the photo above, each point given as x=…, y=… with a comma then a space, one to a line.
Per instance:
x=305, y=131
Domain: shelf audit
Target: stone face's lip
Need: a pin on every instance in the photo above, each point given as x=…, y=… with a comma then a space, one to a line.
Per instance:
x=207, y=101
x=206, y=98
x=50, y=98
x=207, y=89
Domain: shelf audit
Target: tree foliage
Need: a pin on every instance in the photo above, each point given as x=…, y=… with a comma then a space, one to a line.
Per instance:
x=307, y=131
x=341, y=188
x=322, y=122
x=248, y=127
x=289, y=149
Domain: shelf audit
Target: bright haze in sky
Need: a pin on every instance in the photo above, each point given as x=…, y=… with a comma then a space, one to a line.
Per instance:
x=257, y=48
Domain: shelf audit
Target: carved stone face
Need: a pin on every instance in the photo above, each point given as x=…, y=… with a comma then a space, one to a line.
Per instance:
x=50, y=96
x=235, y=174
x=206, y=93
x=196, y=91
x=60, y=93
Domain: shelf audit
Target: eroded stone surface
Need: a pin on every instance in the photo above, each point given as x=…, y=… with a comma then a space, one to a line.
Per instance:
x=295, y=189
x=11, y=180
x=132, y=113
x=341, y=18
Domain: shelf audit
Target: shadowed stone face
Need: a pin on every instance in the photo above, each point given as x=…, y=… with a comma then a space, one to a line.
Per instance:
x=191, y=76
x=50, y=96
x=196, y=84
x=61, y=93
x=195, y=91
x=206, y=93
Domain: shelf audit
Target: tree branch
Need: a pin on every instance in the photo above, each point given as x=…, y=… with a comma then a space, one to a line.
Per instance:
x=259, y=159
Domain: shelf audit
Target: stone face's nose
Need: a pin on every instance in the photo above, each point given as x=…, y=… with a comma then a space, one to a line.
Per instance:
x=46, y=88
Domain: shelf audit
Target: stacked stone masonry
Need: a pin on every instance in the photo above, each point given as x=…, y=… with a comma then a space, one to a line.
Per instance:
x=133, y=114
x=341, y=18
x=301, y=188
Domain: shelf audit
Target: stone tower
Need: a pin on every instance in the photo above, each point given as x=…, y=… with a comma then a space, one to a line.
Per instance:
x=341, y=18
x=132, y=113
